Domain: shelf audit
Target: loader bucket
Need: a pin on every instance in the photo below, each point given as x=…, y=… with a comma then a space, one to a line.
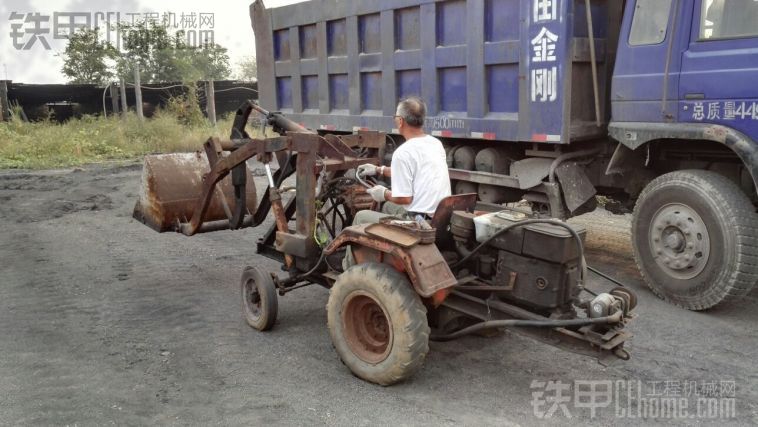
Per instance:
x=171, y=188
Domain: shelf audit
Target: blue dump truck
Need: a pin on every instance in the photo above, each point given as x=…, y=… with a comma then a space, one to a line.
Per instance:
x=650, y=103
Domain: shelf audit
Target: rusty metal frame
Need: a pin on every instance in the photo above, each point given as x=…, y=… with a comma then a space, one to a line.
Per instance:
x=603, y=346
x=221, y=166
x=424, y=265
x=299, y=151
x=313, y=154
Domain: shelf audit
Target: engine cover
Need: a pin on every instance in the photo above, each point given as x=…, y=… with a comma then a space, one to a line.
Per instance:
x=536, y=283
x=544, y=241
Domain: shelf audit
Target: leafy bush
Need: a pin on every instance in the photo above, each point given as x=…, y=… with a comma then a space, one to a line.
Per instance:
x=186, y=108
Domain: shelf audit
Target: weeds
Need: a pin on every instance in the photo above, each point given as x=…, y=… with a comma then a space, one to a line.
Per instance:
x=186, y=108
x=91, y=139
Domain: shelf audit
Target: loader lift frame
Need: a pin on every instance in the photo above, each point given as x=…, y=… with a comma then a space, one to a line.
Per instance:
x=300, y=152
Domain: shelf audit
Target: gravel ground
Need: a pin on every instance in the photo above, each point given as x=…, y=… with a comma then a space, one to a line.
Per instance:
x=104, y=321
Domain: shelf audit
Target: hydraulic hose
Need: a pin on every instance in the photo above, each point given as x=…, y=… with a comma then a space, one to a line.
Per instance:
x=360, y=180
x=606, y=277
x=303, y=276
x=613, y=318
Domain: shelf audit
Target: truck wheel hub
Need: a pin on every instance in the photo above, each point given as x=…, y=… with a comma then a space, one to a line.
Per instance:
x=679, y=241
x=674, y=239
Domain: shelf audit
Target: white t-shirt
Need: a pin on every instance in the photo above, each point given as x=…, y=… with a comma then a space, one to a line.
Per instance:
x=419, y=170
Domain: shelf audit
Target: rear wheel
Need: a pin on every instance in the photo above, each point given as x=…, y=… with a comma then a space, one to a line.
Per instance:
x=259, y=299
x=378, y=323
x=694, y=240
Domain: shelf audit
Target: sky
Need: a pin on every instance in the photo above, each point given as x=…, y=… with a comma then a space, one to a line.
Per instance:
x=37, y=64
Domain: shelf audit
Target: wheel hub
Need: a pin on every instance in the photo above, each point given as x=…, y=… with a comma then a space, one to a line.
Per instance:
x=674, y=239
x=366, y=328
x=252, y=297
x=679, y=241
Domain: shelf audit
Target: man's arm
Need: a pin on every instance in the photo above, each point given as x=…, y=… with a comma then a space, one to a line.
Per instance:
x=386, y=172
x=397, y=200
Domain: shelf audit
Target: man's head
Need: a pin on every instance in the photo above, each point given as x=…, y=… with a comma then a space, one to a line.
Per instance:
x=410, y=115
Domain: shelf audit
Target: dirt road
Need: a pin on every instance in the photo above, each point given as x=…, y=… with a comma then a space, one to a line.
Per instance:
x=104, y=321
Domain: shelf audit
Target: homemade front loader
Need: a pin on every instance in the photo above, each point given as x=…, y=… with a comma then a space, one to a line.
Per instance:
x=471, y=268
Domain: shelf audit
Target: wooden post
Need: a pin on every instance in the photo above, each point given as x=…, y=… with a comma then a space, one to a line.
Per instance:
x=124, y=105
x=138, y=91
x=5, y=105
x=114, y=98
x=210, y=97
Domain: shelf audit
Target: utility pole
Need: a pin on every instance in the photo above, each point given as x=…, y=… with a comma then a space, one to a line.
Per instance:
x=5, y=106
x=138, y=91
x=210, y=97
x=114, y=97
x=124, y=105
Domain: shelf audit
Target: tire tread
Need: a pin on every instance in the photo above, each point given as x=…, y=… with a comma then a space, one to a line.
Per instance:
x=396, y=288
x=732, y=203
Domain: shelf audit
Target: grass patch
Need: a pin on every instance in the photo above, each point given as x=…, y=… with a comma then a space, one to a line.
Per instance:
x=46, y=145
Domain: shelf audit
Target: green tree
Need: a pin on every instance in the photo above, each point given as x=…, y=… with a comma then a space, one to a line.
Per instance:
x=153, y=48
x=211, y=62
x=166, y=57
x=247, y=69
x=85, y=60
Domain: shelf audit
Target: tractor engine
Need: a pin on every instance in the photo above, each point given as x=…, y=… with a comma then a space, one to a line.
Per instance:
x=536, y=266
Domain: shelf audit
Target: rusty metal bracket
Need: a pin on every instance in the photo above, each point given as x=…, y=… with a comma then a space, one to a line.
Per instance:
x=312, y=157
x=309, y=154
x=424, y=264
x=299, y=151
x=221, y=167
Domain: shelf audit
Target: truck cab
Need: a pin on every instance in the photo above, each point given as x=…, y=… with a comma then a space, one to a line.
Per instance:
x=688, y=62
x=684, y=104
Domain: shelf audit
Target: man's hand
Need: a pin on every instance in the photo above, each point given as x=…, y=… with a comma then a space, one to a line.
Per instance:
x=368, y=170
x=377, y=192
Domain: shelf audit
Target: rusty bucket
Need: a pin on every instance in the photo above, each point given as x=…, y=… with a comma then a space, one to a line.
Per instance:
x=171, y=188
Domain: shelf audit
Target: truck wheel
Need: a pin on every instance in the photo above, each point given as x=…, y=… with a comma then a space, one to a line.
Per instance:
x=377, y=323
x=694, y=240
x=259, y=299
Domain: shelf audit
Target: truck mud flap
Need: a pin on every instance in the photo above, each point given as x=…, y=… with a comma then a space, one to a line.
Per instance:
x=576, y=185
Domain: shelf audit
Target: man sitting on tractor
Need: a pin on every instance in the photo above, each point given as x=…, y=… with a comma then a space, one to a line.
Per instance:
x=418, y=172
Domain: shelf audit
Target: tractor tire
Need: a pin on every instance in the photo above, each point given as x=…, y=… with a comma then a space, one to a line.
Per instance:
x=695, y=239
x=259, y=299
x=378, y=323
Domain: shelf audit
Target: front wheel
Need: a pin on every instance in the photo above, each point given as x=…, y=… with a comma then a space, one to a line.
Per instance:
x=260, y=303
x=378, y=323
x=694, y=237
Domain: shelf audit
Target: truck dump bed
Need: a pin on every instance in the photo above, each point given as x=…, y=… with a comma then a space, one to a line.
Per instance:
x=506, y=70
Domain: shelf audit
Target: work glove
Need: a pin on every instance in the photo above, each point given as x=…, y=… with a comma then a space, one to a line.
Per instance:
x=368, y=170
x=377, y=193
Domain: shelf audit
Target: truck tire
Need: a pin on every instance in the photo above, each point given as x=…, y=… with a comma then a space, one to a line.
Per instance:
x=377, y=323
x=260, y=303
x=695, y=239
